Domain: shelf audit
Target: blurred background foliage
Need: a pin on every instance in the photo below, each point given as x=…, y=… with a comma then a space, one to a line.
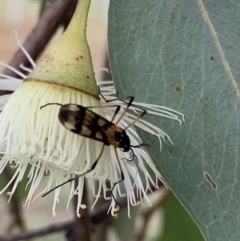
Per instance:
x=166, y=220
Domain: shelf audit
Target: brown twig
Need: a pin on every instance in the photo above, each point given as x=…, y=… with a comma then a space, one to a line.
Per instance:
x=96, y=217
x=100, y=230
x=56, y=14
x=145, y=214
x=80, y=229
x=49, y=229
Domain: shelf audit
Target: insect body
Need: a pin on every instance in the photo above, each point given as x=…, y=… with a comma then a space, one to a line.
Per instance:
x=82, y=121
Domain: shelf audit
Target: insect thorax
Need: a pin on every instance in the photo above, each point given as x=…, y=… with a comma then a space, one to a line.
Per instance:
x=119, y=138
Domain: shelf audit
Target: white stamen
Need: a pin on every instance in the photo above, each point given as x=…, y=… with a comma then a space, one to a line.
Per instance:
x=83, y=206
x=24, y=50
x=101, y=70
x=9, y=83
x=25, y=68
x=13, y=69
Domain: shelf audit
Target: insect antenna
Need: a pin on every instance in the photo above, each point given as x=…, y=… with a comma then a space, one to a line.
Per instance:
x=132, y=160
x=141, y=146
x=43, y=106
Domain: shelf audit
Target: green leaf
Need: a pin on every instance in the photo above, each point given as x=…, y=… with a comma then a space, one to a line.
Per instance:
x=178, y=225
x=185, y=55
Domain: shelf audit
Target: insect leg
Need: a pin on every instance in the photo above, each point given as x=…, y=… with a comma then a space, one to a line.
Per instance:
x=102, y=96
x=117, y=98
x=107, y=106
x=137, y=119
x=122, y=176
x=115, y=113
x=76, y=177
x=129, y=103
x=131, y=98
x=126, y=109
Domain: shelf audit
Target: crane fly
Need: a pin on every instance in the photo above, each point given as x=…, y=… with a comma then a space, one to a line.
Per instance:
x=85, y=122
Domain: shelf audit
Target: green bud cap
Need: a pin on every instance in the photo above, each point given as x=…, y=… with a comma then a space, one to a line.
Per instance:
x=68, y=61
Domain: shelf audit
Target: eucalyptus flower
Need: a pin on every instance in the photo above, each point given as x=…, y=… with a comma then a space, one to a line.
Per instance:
x=34, y=143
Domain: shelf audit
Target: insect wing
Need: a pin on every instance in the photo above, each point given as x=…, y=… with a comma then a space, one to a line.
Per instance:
x=82, y=121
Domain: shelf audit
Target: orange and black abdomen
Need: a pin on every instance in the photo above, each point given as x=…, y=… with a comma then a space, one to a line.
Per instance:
x=82, y=121
x=87, y=123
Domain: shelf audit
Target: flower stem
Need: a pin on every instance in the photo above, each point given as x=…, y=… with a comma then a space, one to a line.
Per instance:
x=79, y=20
